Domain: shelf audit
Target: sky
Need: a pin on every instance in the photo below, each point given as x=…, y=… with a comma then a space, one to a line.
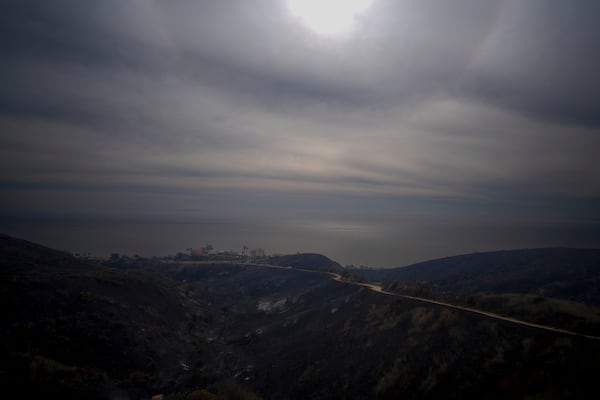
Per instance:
x=405, y=131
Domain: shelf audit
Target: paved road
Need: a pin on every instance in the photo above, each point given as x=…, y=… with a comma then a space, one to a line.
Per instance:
x=379, y=289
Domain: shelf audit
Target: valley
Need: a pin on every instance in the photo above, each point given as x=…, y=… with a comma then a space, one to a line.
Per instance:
x=249, y=331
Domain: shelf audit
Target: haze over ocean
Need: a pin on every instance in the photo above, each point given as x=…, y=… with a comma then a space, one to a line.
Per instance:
x=377, y=132
x=349, y=243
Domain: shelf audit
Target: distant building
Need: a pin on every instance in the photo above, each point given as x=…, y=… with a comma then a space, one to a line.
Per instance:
x=197, y=252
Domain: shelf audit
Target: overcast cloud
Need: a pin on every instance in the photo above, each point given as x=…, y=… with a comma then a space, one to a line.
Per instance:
x=430, y=128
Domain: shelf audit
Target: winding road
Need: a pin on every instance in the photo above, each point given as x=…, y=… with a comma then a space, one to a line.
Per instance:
x=379, y=289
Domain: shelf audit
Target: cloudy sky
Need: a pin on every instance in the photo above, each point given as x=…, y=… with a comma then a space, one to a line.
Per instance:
x=409, y=130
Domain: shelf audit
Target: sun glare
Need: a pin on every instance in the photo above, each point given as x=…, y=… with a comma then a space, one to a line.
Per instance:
x=328, y=16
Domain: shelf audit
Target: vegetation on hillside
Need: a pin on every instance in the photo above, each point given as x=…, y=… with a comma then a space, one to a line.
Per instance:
x=569, y=274
x=316, y=262
x=238, y=331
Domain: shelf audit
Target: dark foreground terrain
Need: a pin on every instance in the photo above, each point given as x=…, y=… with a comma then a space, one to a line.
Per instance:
x=555, y=286
x=238, y=331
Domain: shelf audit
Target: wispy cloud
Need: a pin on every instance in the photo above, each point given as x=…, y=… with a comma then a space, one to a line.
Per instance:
x=167, y=105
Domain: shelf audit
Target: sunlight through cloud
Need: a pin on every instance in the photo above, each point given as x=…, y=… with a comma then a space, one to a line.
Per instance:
x=330, y=16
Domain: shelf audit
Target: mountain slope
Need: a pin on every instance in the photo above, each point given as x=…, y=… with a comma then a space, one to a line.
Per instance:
x=17, y=253
x=571, y=274
x=316, y=262
x=72, y=330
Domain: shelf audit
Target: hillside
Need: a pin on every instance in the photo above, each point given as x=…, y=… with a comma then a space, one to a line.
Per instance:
x=242, y=331
x=556, y=287
x=73, y=329
x=18, y=253
x=316, y=262
x=570, y=274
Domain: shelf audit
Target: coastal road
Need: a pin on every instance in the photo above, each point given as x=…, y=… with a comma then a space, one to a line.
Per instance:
x=379, y=289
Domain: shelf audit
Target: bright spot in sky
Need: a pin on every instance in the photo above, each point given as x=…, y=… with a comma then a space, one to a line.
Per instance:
x=328, y=16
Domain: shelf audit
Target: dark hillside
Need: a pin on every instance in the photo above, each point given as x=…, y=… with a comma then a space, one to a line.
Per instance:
x=296, y=335
x=71, y=329
x=247, y=280
x=316, y=262
x=571, y=274
x=17, y=253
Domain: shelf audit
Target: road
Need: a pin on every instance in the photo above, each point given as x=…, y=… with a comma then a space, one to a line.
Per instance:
x=379, y=289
